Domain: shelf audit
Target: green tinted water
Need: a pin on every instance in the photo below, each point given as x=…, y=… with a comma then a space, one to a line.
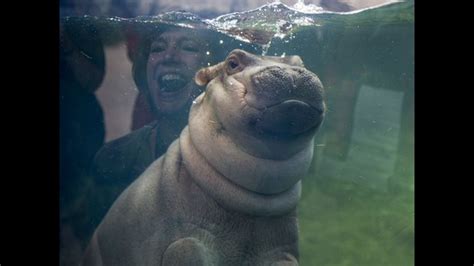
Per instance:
x=357, y=206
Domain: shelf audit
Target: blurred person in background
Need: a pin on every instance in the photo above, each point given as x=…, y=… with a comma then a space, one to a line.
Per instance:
x=165, y=61
x=82, y=129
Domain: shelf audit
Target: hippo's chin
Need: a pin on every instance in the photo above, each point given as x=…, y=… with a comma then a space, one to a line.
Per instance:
x=289, y=119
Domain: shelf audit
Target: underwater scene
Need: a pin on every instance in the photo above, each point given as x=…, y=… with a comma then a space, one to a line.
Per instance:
x=273, y=134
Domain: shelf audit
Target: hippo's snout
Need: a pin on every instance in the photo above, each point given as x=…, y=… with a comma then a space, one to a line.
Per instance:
x=275, y=84
x=291, y=100
x=270, y=83
x=289, y=118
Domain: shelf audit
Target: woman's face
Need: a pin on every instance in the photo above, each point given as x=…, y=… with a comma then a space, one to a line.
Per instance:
x=174, y=58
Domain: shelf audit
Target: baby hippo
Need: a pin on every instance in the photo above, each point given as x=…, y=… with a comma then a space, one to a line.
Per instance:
x=226, y=191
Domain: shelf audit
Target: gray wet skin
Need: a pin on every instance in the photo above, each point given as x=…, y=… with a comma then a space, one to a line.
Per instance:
x=225, y=192
x=264, y=113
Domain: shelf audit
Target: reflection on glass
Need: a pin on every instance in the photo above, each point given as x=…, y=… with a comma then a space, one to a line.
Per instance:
x=127, y=85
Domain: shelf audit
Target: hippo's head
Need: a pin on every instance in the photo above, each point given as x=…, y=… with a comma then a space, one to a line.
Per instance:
x=271, y=106
x=256, y=120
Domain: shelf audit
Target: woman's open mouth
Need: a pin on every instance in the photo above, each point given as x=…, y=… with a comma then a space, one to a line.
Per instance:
x=171, y=84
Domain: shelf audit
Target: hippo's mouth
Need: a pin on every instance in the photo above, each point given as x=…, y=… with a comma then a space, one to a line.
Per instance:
x=289, y=102
x=171, y=83
x=289, y=118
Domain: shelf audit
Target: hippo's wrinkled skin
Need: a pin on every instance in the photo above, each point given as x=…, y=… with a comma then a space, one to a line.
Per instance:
x=226, y=191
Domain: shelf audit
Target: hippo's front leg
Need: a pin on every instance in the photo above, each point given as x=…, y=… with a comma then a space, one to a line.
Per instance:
x=188, y=251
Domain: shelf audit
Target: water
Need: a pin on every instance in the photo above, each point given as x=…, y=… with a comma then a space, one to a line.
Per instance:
x=357, y=206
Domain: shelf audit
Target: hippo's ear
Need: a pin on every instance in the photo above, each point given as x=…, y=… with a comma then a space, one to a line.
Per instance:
x=294, y=60
x=204, y=75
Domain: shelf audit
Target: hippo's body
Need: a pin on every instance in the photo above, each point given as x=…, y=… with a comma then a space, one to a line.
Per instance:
x=225, y=192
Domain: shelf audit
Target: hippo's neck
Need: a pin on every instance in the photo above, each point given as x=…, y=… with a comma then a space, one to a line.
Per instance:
x=228, y=194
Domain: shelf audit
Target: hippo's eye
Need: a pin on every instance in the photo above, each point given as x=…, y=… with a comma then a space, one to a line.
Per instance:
x=233, y=64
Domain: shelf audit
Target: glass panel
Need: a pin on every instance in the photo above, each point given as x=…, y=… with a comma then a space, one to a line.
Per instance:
x=225, y=192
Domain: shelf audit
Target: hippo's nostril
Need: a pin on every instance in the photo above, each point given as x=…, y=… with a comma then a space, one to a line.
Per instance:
x=274, y=85
x=271, y=79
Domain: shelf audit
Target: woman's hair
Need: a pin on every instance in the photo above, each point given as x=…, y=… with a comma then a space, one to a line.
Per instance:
x=144, y=35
